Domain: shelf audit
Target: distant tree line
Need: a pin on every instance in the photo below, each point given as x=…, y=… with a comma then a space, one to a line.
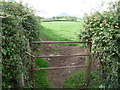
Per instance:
x=68, y=18
x=60, y=18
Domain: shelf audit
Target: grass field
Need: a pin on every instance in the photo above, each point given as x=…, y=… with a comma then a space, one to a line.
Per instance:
x=62, y=31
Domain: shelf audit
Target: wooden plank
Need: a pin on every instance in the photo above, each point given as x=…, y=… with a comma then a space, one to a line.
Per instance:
x=60, y=56
x=51, y=42
x=51, y=68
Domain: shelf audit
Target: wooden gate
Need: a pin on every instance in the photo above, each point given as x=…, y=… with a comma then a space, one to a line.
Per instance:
x=87, y=64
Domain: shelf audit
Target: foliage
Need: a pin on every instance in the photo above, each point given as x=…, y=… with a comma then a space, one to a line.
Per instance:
x=18, y=26
x=41, y=80
x=31, y=27
x=67, y=18
x=61, y=18
x=103, y=30
x=62, y=31
x=77, y=80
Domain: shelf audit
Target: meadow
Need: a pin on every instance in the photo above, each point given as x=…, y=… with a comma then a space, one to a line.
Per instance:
x=62, y=31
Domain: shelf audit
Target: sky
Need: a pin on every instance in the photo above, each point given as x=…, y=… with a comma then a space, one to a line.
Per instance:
x=50, y=8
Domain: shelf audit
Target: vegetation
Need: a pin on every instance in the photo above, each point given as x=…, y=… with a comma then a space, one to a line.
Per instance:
x=103, y=29
x=77, y=80
x=41, y=80
x=19, y=24
x=61, y=18
x=62, y=31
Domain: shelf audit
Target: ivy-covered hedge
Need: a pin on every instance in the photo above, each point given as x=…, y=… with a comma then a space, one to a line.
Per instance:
x=103, y=29
x=18, y=25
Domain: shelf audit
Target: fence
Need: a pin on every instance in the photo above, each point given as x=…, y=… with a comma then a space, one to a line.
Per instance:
x=87, y=64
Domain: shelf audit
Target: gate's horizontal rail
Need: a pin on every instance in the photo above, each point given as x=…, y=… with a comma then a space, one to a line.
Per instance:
x=51, y=42
x=59, y=56
x=51, y=68
x=52, y=56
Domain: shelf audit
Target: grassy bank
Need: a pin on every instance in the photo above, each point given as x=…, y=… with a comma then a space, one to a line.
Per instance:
x=41, y=79
x=62, y=31
x=77, y=80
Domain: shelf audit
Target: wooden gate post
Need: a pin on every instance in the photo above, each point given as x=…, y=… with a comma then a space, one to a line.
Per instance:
x=31, y=64
x=32, y=73
x=88, y=63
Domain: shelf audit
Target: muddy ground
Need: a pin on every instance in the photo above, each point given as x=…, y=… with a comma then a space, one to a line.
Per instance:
x=58, y=77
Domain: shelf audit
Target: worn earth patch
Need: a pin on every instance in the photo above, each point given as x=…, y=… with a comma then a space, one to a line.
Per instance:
x=58, y=77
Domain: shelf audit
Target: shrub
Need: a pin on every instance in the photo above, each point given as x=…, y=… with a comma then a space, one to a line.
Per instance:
x=103, y=30
x=19, y=25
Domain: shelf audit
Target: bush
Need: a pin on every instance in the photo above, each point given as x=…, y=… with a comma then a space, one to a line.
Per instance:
x=103, y=30
x=18, y=25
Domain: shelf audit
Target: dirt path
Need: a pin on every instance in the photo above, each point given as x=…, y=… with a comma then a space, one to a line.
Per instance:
x=58, y=77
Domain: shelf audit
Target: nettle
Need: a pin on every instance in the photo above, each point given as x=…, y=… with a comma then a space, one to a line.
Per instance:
x=103, y=29
x=18, y=26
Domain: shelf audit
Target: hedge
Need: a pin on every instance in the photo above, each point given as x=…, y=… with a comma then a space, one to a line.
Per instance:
x=103, y=29
x=19, y=24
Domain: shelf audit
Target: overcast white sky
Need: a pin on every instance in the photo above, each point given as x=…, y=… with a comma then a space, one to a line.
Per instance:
x=49, y=8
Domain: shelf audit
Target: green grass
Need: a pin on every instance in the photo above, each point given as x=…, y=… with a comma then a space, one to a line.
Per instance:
x=62, y=31
x=41, y=79
x=77, y=80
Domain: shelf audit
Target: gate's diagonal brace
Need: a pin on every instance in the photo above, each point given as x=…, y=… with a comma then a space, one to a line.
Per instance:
x=30, y=54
